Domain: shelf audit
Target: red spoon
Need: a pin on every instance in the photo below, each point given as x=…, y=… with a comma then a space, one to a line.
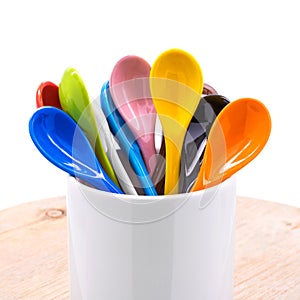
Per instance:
x=47, y=95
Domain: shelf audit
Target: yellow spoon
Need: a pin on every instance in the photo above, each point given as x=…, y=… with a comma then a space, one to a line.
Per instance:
x=237, y=136
x=176, y=85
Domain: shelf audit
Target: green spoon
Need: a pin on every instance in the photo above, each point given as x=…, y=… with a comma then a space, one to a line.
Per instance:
x=75, y=101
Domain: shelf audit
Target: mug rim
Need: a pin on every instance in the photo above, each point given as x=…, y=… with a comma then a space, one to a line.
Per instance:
x=148, y=198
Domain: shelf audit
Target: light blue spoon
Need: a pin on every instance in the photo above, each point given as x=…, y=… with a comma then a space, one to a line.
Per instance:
x=126, y=140
x=57, y=136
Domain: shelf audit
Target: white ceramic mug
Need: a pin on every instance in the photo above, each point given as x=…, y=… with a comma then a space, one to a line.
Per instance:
x=173, y=247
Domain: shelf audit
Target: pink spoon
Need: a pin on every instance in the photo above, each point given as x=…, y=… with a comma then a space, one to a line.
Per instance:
x=129, y=87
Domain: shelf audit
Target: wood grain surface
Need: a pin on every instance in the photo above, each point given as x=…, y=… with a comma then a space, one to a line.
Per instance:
x=34, y=263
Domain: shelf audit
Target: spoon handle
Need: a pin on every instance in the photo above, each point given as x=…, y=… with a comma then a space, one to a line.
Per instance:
x=107, y=186
x=147, y=147
x=173, y=154
x=137, y=163
x=158, y=176
x=142, y=172
x=104, y=160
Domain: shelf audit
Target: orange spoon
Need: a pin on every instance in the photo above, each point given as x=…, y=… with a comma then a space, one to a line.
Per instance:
x=238, y=135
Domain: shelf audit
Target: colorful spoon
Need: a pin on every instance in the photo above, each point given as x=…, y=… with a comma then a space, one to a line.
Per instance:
x=237, y=136
x=109, y=145
x=176, y=85
x=129, y=87
x=57, y=136
x=47, y=95
x=75, y=101
x=196, y=137
x=126, y=140
x=158, y=176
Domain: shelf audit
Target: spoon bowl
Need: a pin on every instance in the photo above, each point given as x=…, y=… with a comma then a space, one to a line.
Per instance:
x=237, y=136
x=60, y=140
x=176, y=84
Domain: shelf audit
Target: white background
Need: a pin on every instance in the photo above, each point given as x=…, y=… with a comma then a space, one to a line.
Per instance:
x=245, y=49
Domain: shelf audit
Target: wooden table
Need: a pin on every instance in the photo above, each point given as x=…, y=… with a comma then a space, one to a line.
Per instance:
x=34, y=265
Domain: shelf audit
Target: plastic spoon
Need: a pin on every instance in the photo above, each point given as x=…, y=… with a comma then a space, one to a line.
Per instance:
x=57, y=136
x=47, y=95
x=75, y=101
x=109, y=145
x=129, y=87
x=176, y=85
x=196, y=137
x=126, y=140
x=237, y=136
x=158, y=176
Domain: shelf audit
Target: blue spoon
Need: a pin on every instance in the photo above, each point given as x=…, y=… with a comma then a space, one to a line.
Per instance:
x=58, y=137
x=126, y=140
